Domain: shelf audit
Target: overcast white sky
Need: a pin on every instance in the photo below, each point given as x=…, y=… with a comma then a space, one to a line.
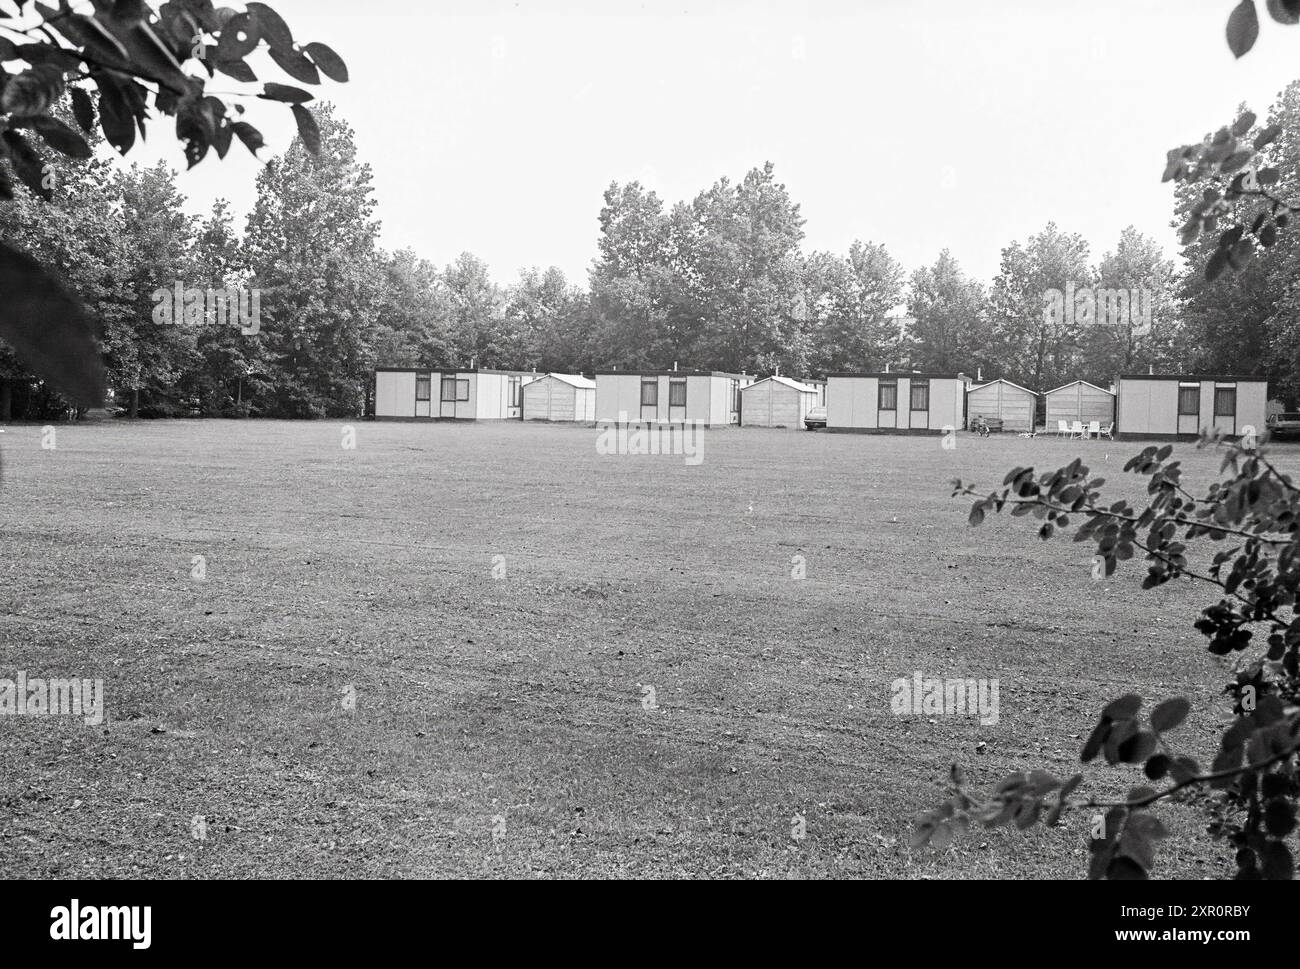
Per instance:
x=494, y=126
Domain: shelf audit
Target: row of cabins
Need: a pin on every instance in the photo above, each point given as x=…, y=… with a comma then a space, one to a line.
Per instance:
x=1140, y=406
x=658, y=397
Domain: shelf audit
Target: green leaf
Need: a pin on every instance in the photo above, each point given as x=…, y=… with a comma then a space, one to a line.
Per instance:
x=1284, y=11
x=1125, y=708
x=32, y=91
x=1267, y=136
x=1278, y=863
x=236, y=68
x=307, y=129
x=26, y=163
x=1243, y=28
x=1217, y=263
x=49, y=329
x=56, y=134
x=271, y=26
x=250, y=136
x=1279, y=817
x=330, y=64
x=1124, y=868
x=295, y=64
x=1092, y=747
x=1169, y=714
x=285, y=93
x=239, y=37
x=82, y=109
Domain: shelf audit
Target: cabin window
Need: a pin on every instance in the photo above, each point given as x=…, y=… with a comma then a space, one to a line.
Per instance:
x=516, y=385
x=888, y=395
x=1189, y=400
x=449, y=390
x=462, y=390
x=920, y=395
x=650, y=392
x=1225, y=401
x=424, y=389
x=677, y=393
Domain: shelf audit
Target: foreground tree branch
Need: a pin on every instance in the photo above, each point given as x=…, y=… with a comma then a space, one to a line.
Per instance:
x=1253, y=777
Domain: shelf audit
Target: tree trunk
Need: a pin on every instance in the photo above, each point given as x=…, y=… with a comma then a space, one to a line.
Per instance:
x=135, y=403
x=6, y=401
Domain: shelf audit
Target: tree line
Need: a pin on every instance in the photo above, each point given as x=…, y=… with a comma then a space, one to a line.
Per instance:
x=722, y=281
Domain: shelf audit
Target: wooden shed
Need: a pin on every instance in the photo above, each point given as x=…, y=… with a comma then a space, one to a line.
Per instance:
x=895, y=403
x=1157, y=406
x=708, y=397
x=417, y=393
x=1014, y=405
x=1079, y=401
x=776, y=402
x=560, y=397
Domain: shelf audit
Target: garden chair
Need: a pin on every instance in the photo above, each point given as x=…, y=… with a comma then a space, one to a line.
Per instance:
x=1076, y=430
x=1107, y=431
x=1062, y=429
x=1094, y=430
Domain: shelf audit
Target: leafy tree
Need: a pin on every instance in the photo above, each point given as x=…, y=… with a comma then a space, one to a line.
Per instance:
x=849, y=307
x=478, y=336
x=230, y=370
x=549, y=323
x=79, y=230
x=634, y=283
x=1141, y=328
x=157, y=239
x=311, y=251
x=413, y=326
x=1033, y=348
x=142, y=60
x=737, y=259
x=949, y=311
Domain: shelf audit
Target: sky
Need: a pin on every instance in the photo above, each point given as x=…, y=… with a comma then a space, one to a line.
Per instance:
x=494, y=127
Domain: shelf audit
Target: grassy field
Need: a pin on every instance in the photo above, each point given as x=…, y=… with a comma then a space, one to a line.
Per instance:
x=353, y=692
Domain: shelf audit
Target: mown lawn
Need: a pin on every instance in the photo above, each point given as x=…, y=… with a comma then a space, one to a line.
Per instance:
x=497, y=725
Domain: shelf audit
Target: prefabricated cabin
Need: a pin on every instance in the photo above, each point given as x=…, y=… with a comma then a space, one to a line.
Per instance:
x=1079, y=401
x=1014, y=405
x=560, y=397
x=462, y=395
x=1172, y=406
x=776, y=402
x=895, y=403
x=709, y=397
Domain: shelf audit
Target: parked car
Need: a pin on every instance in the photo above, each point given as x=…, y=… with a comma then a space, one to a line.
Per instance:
x=1284, y=425
x=815, y=418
